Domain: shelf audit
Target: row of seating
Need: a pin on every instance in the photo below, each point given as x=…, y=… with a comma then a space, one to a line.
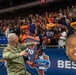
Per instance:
x=3, y=40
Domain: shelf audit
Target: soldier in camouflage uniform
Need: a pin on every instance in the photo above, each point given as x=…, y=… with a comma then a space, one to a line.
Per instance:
x=14, y=56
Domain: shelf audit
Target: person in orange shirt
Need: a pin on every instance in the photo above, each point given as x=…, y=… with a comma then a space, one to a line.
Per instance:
x=24, y=27
x=4, y=29
x=23, y=35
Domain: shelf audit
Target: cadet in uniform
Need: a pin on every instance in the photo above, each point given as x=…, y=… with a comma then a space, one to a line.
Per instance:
x=14, y=56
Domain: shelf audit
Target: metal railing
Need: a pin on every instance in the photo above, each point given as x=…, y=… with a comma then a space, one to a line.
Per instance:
x=43, y=47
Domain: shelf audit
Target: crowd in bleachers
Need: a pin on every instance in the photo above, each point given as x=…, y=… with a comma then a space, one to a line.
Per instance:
x=52, y=28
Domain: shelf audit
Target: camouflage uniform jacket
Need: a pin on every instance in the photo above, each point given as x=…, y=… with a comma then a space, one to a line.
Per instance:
x=14, y=62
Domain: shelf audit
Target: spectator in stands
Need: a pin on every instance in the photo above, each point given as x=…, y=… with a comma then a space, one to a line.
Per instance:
x=62, y=38
x=23, y=35
x=16, y=30
x=71, y=47
x=4, y=28
x=7, y=31
x=50, y=35
x=73, y=25
x=11, y=29
x=14, y=56
x=69, y=28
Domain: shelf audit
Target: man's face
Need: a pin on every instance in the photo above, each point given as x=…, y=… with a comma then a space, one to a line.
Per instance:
x=71, y=48
x=16, y=39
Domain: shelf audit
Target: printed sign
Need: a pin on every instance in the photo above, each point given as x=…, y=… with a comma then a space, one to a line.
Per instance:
x=32, y=49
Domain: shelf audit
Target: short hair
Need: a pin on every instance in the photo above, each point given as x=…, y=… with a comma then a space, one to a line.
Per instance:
x=11, y=37
x=69, y=38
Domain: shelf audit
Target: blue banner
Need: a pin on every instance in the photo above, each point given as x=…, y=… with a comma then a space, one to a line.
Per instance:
x=59, y=64
x=52, y=62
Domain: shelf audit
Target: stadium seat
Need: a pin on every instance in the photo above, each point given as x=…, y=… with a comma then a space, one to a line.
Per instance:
x=3, y=40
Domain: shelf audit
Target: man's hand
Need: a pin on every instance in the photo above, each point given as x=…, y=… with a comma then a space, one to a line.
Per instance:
x=35, y=43
x=24, y=53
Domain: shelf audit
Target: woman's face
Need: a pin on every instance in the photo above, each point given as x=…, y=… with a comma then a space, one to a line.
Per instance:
x=71, y=48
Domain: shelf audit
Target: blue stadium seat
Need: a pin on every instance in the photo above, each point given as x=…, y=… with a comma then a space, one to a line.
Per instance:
x=3, y=40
